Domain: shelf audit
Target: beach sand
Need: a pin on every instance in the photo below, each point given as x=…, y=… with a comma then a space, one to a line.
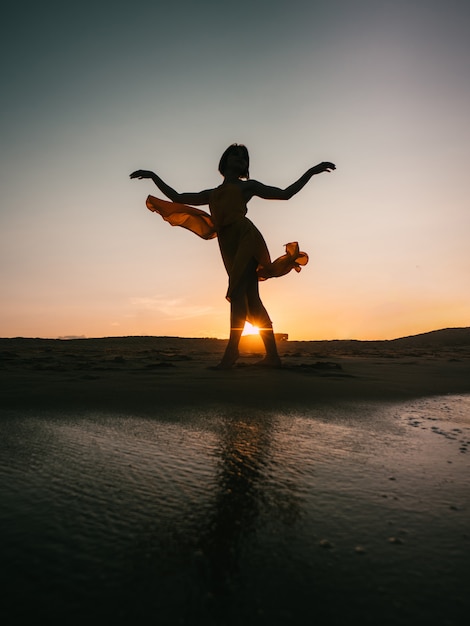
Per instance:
x=138, y=486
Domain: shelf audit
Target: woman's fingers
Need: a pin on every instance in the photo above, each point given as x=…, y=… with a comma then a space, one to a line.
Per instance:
x=139, y=174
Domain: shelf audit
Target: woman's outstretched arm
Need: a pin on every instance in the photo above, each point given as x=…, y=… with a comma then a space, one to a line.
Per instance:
x=275, y=193
x=198, y=198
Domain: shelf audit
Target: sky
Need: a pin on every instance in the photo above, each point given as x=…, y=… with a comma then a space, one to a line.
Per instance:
x=95, y=90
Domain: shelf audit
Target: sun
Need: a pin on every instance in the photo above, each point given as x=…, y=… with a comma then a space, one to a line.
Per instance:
x=250, y=330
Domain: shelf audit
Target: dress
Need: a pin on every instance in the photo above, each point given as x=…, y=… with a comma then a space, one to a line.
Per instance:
x=239, y=240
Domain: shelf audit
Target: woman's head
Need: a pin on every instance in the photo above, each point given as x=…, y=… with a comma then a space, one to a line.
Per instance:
x=237, y=156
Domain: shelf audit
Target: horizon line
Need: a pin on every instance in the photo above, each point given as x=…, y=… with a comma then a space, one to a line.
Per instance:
x=84, y=337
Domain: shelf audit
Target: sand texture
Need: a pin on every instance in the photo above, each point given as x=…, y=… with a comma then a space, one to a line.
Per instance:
x=141, y=371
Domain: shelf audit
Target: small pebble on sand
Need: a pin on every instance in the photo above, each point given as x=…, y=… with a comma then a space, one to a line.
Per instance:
x=396, y=540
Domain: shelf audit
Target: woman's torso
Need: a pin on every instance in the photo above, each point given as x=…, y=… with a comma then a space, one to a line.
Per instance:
x=227, y=204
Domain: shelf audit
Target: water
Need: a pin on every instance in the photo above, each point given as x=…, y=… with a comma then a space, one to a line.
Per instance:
x=225, y=516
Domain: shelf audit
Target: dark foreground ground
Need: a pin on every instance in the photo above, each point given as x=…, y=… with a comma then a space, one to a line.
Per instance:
x=146, y=372
x=138, y=486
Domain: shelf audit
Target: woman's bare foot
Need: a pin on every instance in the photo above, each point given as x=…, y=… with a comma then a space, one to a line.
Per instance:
x=270, y=361
x=229, y=359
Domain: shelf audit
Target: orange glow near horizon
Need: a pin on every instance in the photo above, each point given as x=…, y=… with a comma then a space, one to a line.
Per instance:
x=309, y=324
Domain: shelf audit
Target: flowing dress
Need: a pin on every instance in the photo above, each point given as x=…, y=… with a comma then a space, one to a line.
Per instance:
x=239, y=240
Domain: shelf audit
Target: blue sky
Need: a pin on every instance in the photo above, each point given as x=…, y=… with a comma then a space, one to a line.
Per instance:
x=94, y=91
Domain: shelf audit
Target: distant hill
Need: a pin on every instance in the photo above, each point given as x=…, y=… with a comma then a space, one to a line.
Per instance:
x=435, y=339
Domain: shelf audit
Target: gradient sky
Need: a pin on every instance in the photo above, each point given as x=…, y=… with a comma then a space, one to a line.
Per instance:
x=94, y=90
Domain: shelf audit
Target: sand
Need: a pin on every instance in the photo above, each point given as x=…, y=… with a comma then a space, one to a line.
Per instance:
x=137, y=485
x=142, y=371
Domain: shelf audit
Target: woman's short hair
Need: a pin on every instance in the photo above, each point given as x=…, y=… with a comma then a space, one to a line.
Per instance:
x=235, y=147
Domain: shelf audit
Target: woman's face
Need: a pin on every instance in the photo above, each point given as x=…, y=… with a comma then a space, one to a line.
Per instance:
x=236, y=161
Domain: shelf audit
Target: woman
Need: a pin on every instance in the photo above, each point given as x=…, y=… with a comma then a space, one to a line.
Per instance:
x=244, y=251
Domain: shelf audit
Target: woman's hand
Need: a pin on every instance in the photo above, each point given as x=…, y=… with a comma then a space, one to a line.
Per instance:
x=140, y=174
x=325, y=166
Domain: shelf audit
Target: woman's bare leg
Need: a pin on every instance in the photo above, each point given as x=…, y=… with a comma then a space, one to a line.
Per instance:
x=237, y=323
x=259, y=317
x=246, y=303
x=272, y=357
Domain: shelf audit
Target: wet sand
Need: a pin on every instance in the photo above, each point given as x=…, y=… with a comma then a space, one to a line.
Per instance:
x=138, y=485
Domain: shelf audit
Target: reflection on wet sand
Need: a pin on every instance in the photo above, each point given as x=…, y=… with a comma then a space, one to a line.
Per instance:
x=243, y=457
x=229, y=517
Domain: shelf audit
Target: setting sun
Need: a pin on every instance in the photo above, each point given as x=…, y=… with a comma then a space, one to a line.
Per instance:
x=250, y=330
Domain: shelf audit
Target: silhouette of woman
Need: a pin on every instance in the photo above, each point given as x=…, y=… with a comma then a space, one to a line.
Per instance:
x=243, y=249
